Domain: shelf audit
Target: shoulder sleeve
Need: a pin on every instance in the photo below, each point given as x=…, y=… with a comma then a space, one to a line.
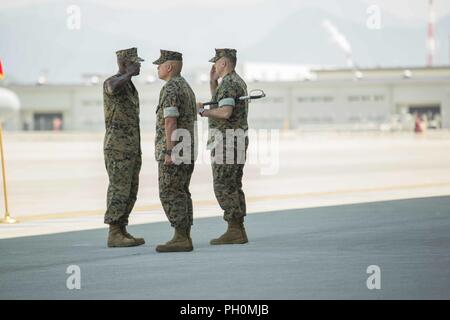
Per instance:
x=105, y=83
x=227, y=94
x=171, y=101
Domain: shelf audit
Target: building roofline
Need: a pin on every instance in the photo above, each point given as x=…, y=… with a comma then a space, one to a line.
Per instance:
x=412, y=68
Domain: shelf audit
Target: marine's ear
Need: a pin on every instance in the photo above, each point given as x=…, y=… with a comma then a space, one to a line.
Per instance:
x=169, y=67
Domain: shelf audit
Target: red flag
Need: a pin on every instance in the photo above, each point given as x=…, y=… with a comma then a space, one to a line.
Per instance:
x=2, y=75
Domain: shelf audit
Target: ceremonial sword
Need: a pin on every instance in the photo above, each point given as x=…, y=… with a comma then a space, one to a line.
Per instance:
x=253, y=95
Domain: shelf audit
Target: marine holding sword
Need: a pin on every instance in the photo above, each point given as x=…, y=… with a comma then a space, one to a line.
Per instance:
x=227, y=114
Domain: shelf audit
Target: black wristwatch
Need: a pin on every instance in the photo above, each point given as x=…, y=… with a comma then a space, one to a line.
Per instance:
x=201, y=111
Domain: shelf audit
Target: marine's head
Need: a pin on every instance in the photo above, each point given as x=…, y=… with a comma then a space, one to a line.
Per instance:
x=128, y=57
x=169, y=64
x=224, y=60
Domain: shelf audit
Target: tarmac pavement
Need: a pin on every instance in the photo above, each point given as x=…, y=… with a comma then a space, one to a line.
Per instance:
x=312, y=253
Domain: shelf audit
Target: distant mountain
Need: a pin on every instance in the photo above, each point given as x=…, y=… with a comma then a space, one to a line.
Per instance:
x=35, y=39
x=300, y=38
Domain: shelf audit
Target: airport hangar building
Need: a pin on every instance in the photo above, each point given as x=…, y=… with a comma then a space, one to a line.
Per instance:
x=333, y=99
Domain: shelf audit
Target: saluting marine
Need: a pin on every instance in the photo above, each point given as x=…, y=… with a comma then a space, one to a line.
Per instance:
x=228, y=114
x=122, y=147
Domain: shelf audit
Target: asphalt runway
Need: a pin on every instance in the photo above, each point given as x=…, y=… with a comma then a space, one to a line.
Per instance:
x=311, y=253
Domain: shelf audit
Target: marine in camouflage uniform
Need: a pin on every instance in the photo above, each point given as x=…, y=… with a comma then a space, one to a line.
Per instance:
x=176, y=101
x=122, y=147
x=228, y=155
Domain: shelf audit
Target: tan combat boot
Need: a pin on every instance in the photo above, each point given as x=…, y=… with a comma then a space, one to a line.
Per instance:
x=175, y=236
x=117, y=239
x=139, y=241
x=181, y=242
x=235, y=234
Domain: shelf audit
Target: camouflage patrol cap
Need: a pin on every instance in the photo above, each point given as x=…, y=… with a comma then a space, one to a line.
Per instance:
x=225, y=52
x=129, y=54
x=167, y=55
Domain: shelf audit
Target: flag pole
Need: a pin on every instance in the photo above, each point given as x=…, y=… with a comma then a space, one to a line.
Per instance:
x=8, y=219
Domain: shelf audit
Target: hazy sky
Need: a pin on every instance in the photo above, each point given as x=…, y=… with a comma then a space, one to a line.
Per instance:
x=405, y=9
